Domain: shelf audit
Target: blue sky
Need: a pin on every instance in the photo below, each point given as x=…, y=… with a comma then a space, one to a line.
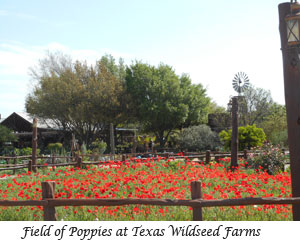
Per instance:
x=210, y=40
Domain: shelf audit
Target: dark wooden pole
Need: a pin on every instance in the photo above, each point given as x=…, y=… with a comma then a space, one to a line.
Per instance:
x=112, y=140
x=207, y=157
x=245, y=155
x=30, y=166
x=48, y=192
x=234, y=136
x=291, y=72
x=73, y=146
x=15, y=162
x=53, y=160
x=34, y=144
x=196, y=194
x=79, y=161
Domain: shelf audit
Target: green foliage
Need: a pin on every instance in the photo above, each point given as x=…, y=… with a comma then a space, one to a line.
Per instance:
x=279, y=138
x=6, y=135
x=271, y=159
x=255, y=106
x=26, y=151
x=198, y=138
x=275, y=125
x=78, y=97
x=55, y=147
x=249, y=136
x=163, y=100
x=98, y=146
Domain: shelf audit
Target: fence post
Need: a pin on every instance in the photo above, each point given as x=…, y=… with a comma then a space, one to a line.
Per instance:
x=245, y=154
x=15, y=162
x=79, y=161
x=34, y=143
x=196, y=194
x=53, y=160
x=29, y=165
x=207, y=157
x=48, y=190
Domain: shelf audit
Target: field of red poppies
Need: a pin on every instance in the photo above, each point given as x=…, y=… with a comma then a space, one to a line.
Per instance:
x=149, y=179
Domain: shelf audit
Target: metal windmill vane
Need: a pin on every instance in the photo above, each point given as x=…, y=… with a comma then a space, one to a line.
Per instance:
x=240, y=82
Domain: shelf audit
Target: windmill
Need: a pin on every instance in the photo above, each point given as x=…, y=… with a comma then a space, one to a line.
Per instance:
x=240, y=82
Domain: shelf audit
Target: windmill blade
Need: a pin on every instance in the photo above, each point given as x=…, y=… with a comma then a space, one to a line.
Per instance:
x=240, y=82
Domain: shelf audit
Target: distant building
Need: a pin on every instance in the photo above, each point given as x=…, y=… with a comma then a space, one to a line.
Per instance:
x=21, y=124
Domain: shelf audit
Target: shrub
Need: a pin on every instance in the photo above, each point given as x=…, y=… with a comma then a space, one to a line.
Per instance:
x=98, y=146
x=198, y=138
x=271, y=159
x=55, y=147
x=27, y=151
x=249, y=136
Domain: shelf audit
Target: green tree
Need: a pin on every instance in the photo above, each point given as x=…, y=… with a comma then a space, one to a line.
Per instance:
x=76, y=97
x=249, y=136
x=194, y=96
x=163, y=100
x=6, y=135
x=218, y=118
x=275, y=125
x=255, y=106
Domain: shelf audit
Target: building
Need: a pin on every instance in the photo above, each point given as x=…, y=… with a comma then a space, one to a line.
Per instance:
x=21, y=124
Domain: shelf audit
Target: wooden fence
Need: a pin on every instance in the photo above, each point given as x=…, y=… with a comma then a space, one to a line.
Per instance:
x=78, y=160
x=196, y=202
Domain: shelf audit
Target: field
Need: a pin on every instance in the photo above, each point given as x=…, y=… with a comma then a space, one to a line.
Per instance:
x=149, y=179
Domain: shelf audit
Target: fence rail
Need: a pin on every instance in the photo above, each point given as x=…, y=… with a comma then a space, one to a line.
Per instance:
x=77, y=160
x=49, y=203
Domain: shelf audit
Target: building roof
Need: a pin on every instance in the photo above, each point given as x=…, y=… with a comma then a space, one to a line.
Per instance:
x=22, y=122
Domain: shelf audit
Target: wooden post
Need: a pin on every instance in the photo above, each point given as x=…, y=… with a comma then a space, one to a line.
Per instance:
x=34, y=144
x=234, y=136
x=207, y=157
x=15, y=162
x=30, y=166
x=123, y=158
x=112, y=141
x=291, y=72
x=48, y=191
x=134, y=143
x=53, y=160
x=79, y=161
x=245, y=155
x=196, y=194
x=73, y=146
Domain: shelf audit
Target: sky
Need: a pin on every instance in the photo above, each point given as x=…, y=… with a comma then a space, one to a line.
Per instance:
x=209, y=40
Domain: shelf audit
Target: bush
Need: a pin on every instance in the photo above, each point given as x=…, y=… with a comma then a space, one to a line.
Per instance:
x=271, y=159
x=98, y=146
x=249, y=137
x=55, y=147
x=198, y=138
x=26, y=151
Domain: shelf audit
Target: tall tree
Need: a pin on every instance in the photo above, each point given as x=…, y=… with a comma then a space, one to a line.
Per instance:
x=163, y=100
x=77, y=97
x=255, y=106
x=275, y=125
